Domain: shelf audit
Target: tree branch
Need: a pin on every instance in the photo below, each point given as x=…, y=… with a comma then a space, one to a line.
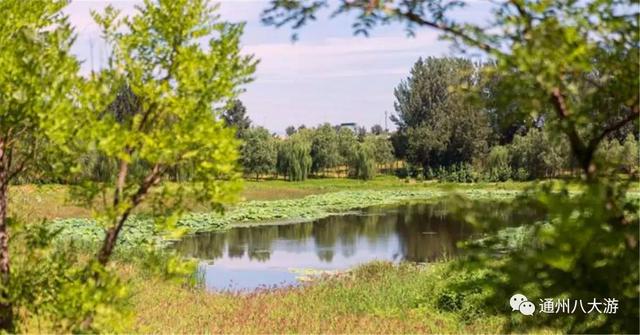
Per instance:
x=112, y=234
x=635, y=114
x=415, y=18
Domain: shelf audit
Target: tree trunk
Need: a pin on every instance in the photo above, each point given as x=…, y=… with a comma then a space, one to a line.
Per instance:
x=110, y=240
x=6, y=309
x=112, y=233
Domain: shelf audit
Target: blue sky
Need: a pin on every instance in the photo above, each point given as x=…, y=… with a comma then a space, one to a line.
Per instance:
x=328, y=75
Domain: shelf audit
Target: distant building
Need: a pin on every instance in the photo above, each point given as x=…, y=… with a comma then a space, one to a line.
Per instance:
x=350, y=125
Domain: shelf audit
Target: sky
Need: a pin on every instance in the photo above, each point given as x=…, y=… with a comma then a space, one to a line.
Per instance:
x=328, y=75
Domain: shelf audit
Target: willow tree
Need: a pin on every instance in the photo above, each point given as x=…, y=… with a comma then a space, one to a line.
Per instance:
x=36, y=70
x=294, y=158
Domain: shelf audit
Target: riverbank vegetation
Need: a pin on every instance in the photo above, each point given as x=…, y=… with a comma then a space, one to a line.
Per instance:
x=374, y=298
x=141, y=231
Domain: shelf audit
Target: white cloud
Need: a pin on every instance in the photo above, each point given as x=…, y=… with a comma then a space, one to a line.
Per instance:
x=340, y=57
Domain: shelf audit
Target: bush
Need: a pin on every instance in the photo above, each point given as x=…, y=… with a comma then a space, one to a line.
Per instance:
x=497, y=167
x=586, y=247
x=619, y=156
x=457, y=173
x=402, y=172
x=537, y=155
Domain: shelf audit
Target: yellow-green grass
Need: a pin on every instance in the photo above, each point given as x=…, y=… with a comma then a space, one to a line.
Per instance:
x=38, y=202
x=376, y=298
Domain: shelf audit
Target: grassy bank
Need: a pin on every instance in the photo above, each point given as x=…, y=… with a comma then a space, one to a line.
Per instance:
x=37, y=202
x=375, y=298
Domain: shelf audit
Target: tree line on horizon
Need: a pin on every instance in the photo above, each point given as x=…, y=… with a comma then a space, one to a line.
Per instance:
x=448, y=128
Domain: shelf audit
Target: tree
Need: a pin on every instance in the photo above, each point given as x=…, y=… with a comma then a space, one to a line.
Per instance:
x=497, y=164
x=324, y=148
x=400, y=143
x=259, y=151
x=441, y=128
x=347, y=145
x=631, y=162
x=381, y=149
x=363, y=164
x=236, y=116
x=294, y=158
x=151, y=108
x=377, y=129
x=36, y=73
x=290, y=130
x=619, y=156
x=536, y=156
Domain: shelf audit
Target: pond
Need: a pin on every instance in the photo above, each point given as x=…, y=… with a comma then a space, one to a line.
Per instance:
x=244, y=258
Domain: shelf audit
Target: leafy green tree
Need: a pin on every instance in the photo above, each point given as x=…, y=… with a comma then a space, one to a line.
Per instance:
x=294, y=158
x=620, y=157
x=36, y=73
x=259, y=151
x=236, y=116
x=440, y=127
x=290, y=130
x=363, y=165
x=347, y=146
x=150, y=110
x=400, y=143
x=537, y=154
x=381, y=149
x=497, y=166
x=377, y=129
x=324, y=148
x=631, y=161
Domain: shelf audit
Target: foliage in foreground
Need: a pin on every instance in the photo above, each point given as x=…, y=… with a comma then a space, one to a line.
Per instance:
x=586, y=247
x=151, y=110
x=55, y=286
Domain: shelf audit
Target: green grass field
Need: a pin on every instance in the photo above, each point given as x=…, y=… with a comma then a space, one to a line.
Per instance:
x=37, y=202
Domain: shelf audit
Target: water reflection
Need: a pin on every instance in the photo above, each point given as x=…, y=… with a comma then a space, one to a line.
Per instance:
x=247, y=257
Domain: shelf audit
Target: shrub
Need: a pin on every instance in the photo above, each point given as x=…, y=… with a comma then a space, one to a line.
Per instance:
x=457, y=173
x=585, y=248
x=497, y=166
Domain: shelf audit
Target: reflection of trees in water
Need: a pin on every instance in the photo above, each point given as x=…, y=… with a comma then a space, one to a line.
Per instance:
x=424, y=232
x=325, y=233
x=204, y=246
x=427, y=233
x=237, y=242
x=259, y=242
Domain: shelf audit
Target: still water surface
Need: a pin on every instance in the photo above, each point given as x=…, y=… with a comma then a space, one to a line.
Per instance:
x=246, y=258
